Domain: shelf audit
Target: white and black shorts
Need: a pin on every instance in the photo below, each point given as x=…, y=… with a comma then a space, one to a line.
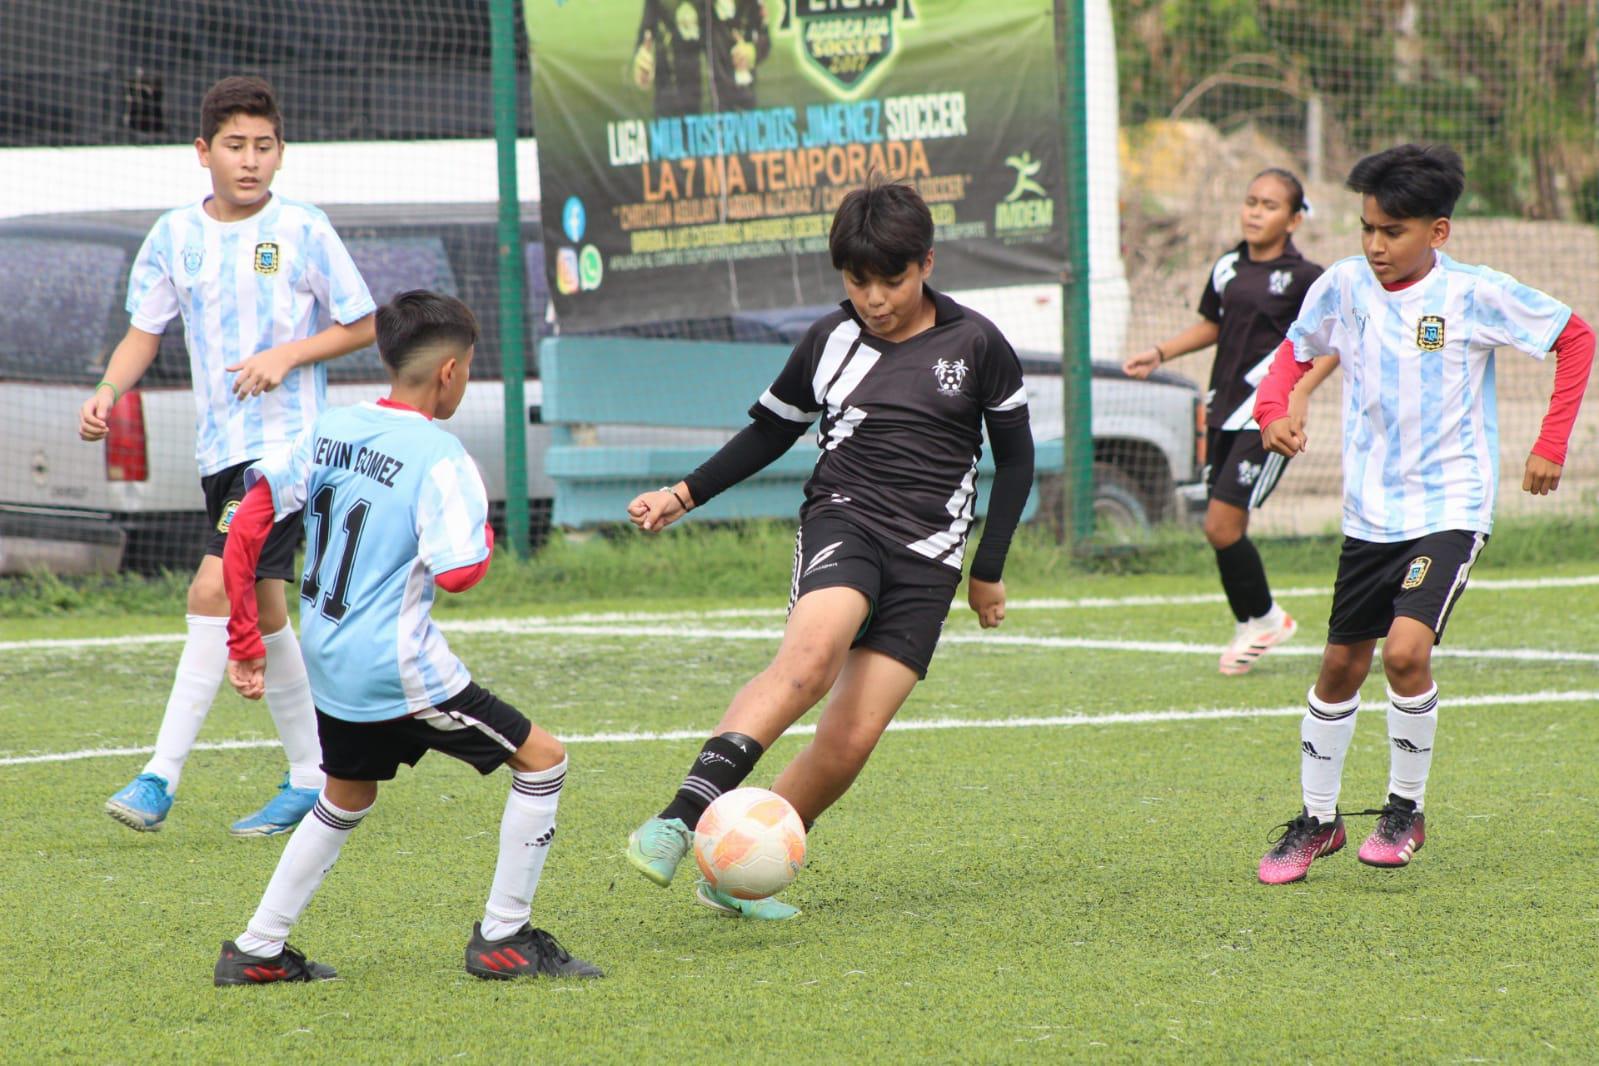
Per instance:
x=1241, y=471
x=474, y=726
x=909, y=595
x=1420, y=579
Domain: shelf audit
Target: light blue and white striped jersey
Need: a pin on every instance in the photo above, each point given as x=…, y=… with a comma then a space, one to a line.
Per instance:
x=242, y=287
x=390, y=500
x=1421, y=426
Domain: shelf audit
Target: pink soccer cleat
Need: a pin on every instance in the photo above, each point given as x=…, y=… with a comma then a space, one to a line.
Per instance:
x=1401, y=831
x=1303, y=841
x=1250, y=642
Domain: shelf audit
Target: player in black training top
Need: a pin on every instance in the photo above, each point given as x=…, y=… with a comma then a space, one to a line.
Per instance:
x=1251, y=299
x=904, y=379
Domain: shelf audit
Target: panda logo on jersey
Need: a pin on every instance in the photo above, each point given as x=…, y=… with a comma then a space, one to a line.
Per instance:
x=949, y=376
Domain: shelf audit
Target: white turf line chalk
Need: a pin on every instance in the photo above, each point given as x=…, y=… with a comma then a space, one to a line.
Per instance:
x=569, y=623
x=910, y=725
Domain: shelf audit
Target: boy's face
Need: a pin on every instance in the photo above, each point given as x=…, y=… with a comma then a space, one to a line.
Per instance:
x=243, y=158
x=455, y=388
x=1399, y=249
x=890, y=306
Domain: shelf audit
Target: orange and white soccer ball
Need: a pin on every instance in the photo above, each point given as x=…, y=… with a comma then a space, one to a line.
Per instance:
x=750, y=843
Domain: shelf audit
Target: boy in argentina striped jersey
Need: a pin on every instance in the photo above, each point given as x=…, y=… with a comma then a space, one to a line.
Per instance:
x=1416, y=333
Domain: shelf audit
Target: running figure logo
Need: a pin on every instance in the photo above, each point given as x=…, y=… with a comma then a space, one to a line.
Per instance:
x=1026, y=166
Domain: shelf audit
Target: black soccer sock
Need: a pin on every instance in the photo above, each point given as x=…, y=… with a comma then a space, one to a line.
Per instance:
x=721, y=765
x=1243, y=578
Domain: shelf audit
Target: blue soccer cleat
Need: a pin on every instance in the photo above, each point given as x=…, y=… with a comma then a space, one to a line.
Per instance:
x=281, y=814
x=656, y=847
x=143, y=804
x=764, y=910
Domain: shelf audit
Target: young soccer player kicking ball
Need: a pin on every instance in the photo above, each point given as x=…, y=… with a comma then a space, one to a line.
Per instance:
x=1416, y=332
x=1251, y=297
x=394, y=507
x=267, y=292
x=904, y=380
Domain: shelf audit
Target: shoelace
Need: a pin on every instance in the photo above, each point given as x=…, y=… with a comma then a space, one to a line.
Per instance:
x=661, y=845
x=550, y=947
x=1392, y=820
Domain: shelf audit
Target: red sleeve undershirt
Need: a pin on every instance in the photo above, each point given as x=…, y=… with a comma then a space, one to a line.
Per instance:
x=247, y=533
x=1271, y=399
x=464, y=577
x=1573, y=360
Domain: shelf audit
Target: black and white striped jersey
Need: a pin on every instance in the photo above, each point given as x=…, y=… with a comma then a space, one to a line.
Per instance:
x=1253, y=304
x=901, y=425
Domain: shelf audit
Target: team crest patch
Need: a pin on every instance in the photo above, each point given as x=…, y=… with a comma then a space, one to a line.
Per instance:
x=1417, y=572
x=949, y=375
x=227, y=516
x=266, y=257
x=1278, y=283
x=1430, y=333
x=192, y=258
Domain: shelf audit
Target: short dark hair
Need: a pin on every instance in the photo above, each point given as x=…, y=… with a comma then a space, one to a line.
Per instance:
x=1296, y=190
x=880, y=229
x=1412, y=180
x=239, y=95
x=416, y=321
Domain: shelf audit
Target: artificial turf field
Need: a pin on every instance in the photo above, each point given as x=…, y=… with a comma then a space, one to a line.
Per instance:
x=1055, y=862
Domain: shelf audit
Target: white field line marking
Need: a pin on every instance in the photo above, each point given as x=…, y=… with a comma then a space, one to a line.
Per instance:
x=543, y=627
x=1511, y=699
x=555, y=622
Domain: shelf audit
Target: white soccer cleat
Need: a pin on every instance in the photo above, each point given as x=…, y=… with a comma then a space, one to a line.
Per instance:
x=1254, y=640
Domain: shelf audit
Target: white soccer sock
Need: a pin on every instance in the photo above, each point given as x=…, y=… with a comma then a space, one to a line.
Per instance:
x=288, y=698
x=201, y=668
x=310, y=854
x=1412, y=723
x=1324, y=738
x=526, y=831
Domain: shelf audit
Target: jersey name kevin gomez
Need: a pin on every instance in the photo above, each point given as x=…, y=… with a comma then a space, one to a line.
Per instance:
x=390, y=500
x=901, y=426
x=1421, y=429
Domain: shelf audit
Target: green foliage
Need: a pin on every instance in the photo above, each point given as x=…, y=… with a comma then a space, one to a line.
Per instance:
x=1511, y=85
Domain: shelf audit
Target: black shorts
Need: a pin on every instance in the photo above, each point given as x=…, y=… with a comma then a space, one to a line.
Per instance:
x=1420, y=579
x=223, y=491
x=1240, y=470
x=909, y=595
x=474, y=726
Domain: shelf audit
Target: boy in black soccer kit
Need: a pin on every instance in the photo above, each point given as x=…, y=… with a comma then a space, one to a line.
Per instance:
x=904, y=379
x=1250, y=299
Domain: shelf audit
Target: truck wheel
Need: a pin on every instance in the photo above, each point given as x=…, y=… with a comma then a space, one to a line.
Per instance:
x=1120, y=515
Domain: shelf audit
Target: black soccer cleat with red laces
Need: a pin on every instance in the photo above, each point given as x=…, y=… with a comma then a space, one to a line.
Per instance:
x=528, y=952
x=234, y=967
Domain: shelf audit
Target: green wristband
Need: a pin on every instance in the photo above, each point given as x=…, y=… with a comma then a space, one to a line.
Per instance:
x=116, y=394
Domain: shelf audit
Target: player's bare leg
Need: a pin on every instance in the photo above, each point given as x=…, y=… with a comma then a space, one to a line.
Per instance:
x=869, y=692
x=1412, y=723
x=1226, y=527
x=815, y=645
x=1325, y=734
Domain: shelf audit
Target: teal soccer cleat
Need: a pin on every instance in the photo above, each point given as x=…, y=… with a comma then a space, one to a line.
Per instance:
x=764, y=910
x=282, y=813
x=656, y=847
x=142, y=804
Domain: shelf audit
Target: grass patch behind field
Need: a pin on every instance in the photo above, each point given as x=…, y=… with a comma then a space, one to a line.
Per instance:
x=697, y=564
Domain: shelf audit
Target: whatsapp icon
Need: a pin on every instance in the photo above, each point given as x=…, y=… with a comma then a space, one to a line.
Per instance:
x=590, y=267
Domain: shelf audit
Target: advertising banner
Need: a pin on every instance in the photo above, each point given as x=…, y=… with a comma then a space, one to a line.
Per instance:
x=692, y=152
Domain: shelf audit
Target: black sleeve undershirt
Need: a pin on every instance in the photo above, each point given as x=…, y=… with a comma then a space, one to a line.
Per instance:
x=752, y=449
x=1012, y=445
